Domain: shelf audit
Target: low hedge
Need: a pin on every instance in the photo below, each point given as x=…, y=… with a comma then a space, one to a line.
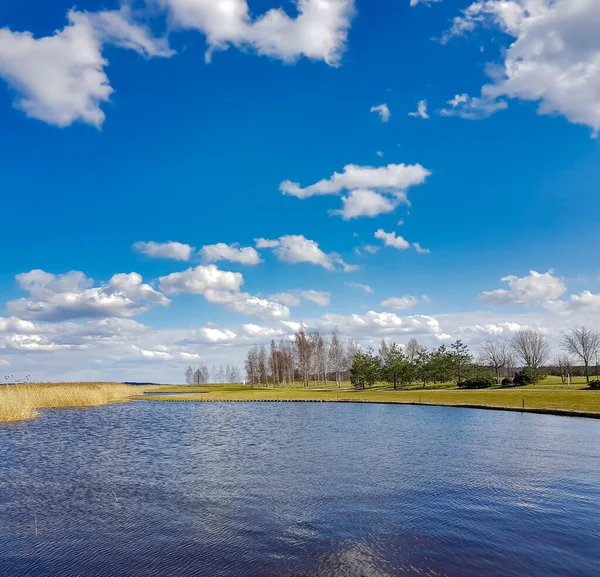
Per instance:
x=594, y=385
x=482, y=383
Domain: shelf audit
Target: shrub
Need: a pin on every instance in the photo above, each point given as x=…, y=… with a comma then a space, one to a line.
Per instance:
x=529, y=376
x=506, y=382
x=594, y=385
x=480, y=383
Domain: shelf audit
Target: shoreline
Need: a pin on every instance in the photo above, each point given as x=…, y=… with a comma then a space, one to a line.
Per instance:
x=539, y=411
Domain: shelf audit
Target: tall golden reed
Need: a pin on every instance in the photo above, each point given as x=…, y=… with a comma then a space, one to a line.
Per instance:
x=20, y=402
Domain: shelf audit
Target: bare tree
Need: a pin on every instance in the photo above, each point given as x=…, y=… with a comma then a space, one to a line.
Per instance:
x=493, y=352
x=337, y=357
x=583, y=343
x=531, y=347
x=303, y=355
x=189, y=375
x=412, y=351
x=564, y=366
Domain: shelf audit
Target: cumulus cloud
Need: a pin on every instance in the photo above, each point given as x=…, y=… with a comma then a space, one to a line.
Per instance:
x=393, y=178
x=364, y=202
x=318, y=297
x=294, y=298
x=296, y=248
x=534, y=288
x=211, y=335
x=246, y=304
x=36, y=343
x=257, y=332
x=400, y=303
x=289, y=299
x=72, y=295
x=553, y=58
x=383, y=111
x=463, y=106
x=421, y=110
x=199, y=279
x=390, y=239
x=232, y=253
x=414, y=3
x=382, y=324
x=60, y=79
x=420, y=249
x=583, y=302
x=318, y=31
x=172, y=250
x=364, y=287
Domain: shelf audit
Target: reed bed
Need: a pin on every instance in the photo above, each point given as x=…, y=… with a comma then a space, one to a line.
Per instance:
x=21, y=402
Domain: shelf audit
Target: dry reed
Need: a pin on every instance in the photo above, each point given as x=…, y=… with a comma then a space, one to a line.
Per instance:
x=21, y=402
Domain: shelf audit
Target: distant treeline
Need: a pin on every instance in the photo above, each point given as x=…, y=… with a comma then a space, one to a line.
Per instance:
x=524, y=358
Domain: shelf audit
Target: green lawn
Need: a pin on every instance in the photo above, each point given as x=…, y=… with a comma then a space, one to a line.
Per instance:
x=550, y=395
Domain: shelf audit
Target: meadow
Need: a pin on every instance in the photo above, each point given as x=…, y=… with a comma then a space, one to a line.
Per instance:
x=548, y=396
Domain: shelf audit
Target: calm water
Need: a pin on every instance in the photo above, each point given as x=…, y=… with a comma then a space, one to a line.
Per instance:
x=151, y=489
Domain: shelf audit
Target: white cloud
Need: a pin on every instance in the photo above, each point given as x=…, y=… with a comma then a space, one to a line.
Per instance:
x=553, y=59
x=400, y=303
x=232, y=253
x=72, y=295
x=379, y=153
x=390, y=239
x=319, y=31
x=60, y=79
x=393, y=178
x=421, y=110
x=371, y=248
x=296, y=248
x=200, y=279
x=420, y=249
x=246, y=304
x=583, y=302
x=364, y=287
x=266, y=243
x=289, y=299
x=257, y=332
x=364, y=202
x=425, y=2
x=382, y=324
x=463, y=106
x=318, y=297
x=173, y=250
x=212, y=335
x=36, y=343
x=534, y=288
x=383, y=111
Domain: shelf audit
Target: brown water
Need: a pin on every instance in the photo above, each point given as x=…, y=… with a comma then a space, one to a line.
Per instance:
x=150, y=489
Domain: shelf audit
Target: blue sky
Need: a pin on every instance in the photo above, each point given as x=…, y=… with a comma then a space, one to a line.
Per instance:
x=116, y=130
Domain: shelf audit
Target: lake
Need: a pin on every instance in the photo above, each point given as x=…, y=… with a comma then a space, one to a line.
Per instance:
x=156, y=489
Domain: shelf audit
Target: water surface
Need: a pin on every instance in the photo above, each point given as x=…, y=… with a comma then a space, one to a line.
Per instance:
x=150, y=489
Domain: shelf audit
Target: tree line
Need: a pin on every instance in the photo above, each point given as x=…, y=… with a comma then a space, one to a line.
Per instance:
x=524, y=358
x=202, y=375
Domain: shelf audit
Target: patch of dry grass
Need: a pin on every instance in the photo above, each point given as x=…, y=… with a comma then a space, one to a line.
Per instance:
x=21, y=402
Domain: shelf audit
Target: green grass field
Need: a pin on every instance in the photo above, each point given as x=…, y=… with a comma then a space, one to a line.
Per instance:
x=548, y=396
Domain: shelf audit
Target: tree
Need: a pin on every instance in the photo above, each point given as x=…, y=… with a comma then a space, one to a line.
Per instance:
x=532, y=348
x=337, y=357
x=412, y=350
x=583, y=343
x=461, y=357
x=564, y=367
x=189, y=375
x=396, y=369
x=303, y=355
x=365, y=369
x=493, y=352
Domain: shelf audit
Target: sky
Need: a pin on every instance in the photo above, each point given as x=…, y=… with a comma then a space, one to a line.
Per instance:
x=182, y=179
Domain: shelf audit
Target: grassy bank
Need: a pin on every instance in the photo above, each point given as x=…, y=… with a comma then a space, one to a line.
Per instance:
x=552, y=398
x=21, y=402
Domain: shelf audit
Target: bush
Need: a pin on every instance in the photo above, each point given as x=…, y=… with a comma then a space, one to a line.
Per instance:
x=506, y=382
x=594, y=384
x=529, y=376
x=480, y=383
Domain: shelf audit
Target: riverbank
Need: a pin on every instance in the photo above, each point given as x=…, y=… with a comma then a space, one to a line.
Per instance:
x=552, y=400
x=23, y=401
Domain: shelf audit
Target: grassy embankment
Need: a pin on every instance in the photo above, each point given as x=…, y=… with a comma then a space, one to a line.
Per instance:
x=549, y=396
x=21, y=402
